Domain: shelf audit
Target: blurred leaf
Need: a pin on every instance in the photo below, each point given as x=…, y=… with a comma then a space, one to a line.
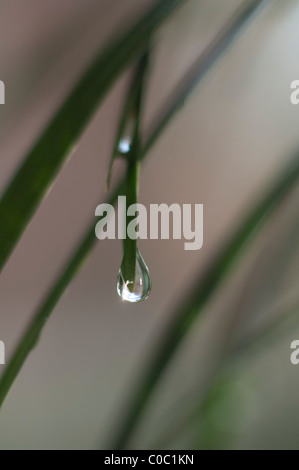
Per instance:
x=279, y=319
x=32, y=180
x=214, y=421
x=197, y=298
x=271, y=329
x=226, y=412
x=199, y=401
x=217, y=48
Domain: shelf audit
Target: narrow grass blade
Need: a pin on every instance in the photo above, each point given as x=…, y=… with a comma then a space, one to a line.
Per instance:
x=125, y=119
x=39, y=319
x=30, y=183
x=32, y=333
x=128, y=265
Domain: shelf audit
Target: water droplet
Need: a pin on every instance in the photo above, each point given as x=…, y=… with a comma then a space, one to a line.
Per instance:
x=125, y=142
x=135, y=290
x=124, y=145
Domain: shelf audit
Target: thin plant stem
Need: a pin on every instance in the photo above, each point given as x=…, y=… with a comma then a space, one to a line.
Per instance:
x=128, y=112
x=133, y=160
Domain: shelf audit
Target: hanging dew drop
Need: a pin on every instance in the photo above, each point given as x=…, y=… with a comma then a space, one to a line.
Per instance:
x=135, y=290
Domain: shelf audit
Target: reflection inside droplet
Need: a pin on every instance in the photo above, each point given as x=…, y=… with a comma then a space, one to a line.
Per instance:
x=139, y=289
